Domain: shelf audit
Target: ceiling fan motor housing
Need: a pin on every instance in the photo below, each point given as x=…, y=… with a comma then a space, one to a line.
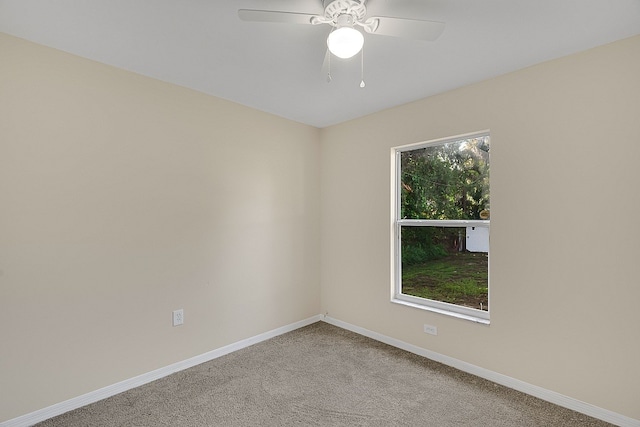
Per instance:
x=334, y=9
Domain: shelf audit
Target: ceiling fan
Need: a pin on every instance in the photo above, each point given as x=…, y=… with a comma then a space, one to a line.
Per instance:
x=345, y=40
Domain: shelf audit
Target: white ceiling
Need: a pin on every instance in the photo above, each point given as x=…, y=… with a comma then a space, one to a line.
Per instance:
x=203, y=45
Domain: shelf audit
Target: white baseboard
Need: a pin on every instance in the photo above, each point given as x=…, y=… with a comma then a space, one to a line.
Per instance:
x=530, y=389
x=103, y=393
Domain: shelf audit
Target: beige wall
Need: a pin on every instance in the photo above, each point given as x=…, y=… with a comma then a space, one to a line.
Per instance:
x=123, y=198
x=564, y=244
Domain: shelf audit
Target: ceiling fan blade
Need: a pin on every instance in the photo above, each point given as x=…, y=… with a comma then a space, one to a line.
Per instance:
x=274, y=16
x=407, y=28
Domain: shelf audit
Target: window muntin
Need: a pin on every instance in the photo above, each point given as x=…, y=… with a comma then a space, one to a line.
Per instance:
x=441, y=226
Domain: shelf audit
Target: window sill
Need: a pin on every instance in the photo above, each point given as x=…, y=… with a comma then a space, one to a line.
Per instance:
x=441, y=311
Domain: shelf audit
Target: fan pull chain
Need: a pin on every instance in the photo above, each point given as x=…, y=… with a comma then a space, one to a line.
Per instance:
x=329, y=66
x=362, y=68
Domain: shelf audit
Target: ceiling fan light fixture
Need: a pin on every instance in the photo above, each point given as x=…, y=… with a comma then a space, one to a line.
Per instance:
x=345, y=42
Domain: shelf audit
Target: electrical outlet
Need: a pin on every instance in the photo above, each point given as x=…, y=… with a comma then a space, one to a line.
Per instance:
x=430, y=329
x=178, y=317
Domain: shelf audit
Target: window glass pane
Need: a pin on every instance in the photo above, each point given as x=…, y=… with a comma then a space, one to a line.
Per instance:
x=446, y=181
x=447, y=264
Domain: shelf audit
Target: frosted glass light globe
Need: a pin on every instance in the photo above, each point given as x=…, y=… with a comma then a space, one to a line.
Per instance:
x=345, y=42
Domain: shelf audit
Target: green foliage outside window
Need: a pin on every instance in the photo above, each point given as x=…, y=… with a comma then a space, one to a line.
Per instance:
x=443, y=182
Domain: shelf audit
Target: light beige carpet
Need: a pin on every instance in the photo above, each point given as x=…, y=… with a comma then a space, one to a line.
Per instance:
x=321, y=375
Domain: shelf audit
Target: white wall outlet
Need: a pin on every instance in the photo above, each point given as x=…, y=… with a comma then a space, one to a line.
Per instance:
x=178, y=317
x=430, y=329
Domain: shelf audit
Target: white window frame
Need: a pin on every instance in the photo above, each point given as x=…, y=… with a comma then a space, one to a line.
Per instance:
x=479, y=316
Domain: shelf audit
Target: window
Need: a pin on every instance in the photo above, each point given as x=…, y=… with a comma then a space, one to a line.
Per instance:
x=441, y=226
